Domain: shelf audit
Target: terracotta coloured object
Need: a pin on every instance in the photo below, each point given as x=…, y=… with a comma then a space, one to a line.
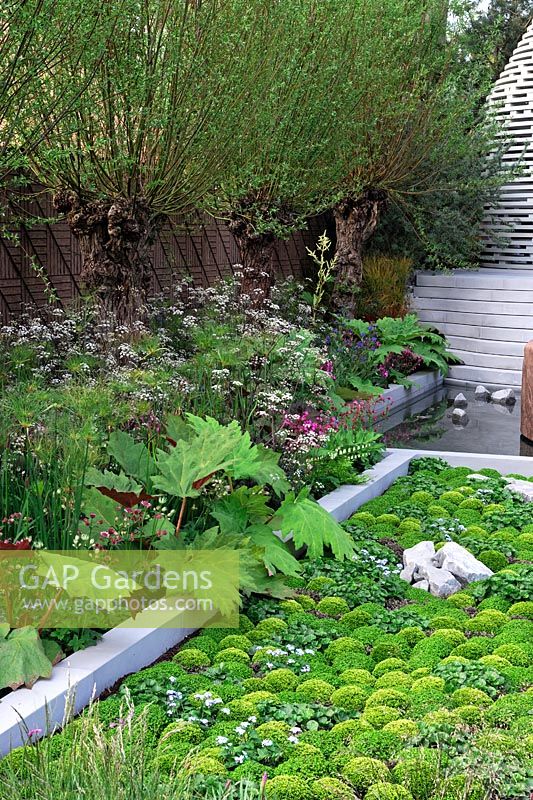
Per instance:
x=526, y=424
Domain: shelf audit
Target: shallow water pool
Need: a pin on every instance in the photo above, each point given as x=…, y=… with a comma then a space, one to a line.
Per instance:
x=491, y=428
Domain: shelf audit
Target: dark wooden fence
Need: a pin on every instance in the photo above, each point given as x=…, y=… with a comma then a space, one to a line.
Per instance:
x=205, y=251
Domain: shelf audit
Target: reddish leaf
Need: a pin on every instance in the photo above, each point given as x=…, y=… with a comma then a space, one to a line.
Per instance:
x=202, y=481
x=23, y=544
x=126, y=499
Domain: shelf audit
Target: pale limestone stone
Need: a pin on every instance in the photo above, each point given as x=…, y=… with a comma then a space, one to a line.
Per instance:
x=460, y=401
x=459, y=416
x=407, y=573
x=420, y=553
x=461, y=563
x=523, y=488
x=423, y=584
x=503, y=396
x=441, y=582
x=481, y=393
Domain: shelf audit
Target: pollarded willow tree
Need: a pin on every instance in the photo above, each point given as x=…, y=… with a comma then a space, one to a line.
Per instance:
x=155, y=120
x=284, y=168
x=418, y=129
x=36, y=36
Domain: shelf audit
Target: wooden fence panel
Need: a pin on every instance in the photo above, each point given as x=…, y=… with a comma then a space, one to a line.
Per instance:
x=205, y=251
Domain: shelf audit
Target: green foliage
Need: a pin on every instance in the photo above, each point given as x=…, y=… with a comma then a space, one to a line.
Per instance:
x=22, y=657
x=362, y=772
x=287, y=787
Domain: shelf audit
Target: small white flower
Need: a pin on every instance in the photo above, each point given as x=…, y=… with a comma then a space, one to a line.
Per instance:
x=222, y=740
x=267, y=743
x=225, y=710
x=292, y=739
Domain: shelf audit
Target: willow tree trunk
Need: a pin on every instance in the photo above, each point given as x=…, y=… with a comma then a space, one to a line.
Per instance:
x=355, y=222
x=257, y=259
x=115, y=237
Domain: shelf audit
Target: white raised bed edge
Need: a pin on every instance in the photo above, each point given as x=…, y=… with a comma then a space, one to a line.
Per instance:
x=397, y=397
x=123, y=650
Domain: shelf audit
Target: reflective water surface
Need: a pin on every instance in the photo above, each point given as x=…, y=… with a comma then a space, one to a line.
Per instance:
x=491, y=428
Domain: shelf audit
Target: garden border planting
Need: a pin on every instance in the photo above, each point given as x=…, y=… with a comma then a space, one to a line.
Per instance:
x=123, y=650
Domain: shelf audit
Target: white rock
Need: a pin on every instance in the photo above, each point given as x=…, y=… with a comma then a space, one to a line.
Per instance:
x=523, y=488
x=504, y=396
x=441, y=582
x=475, y=476
x=407, y=573
x=460, y=401
x=481, y=393
x=461, y=563
x=423, y=584
x=459, y=416
x=420, y=553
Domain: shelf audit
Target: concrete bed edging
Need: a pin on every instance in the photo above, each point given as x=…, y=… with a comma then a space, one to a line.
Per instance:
x=399, y=400
x=78, y=679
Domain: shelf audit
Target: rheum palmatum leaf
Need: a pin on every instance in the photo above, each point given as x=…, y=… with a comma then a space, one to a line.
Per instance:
x=187, y=467
x=273, y=552
x=264, y=469
x=245, y=461
x=22, y=659
x=132, y=456
x=311, y=526
x=110, y=480
x=105, y=509
x=245, y=506
x=75, y=577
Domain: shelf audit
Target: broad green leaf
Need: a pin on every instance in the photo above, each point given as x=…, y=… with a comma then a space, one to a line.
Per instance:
x=52, y=651
x=236, y=510
x=4, y=630
x=75, y=577
x=311, y=526
x=196, y=461
x=133, y=457
x=224, y=593
x=110, y=480
x=274, y=553
x=266, y=470
x=22, y=659
x=158, y=527
x=105, y=509
x=177, y=428
x=256, y=581
x=365, y=386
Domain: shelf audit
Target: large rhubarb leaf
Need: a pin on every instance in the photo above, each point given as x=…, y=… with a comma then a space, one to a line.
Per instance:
x=22, y=659
x=75, y=577
x=52, y=651
x=132, y=456
x=178, y=428
x=235, y=511
x=273, y=552
x=311, y=526
x=262, y=467
x=123, y=490
x=104, y=509
x=187, y=467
